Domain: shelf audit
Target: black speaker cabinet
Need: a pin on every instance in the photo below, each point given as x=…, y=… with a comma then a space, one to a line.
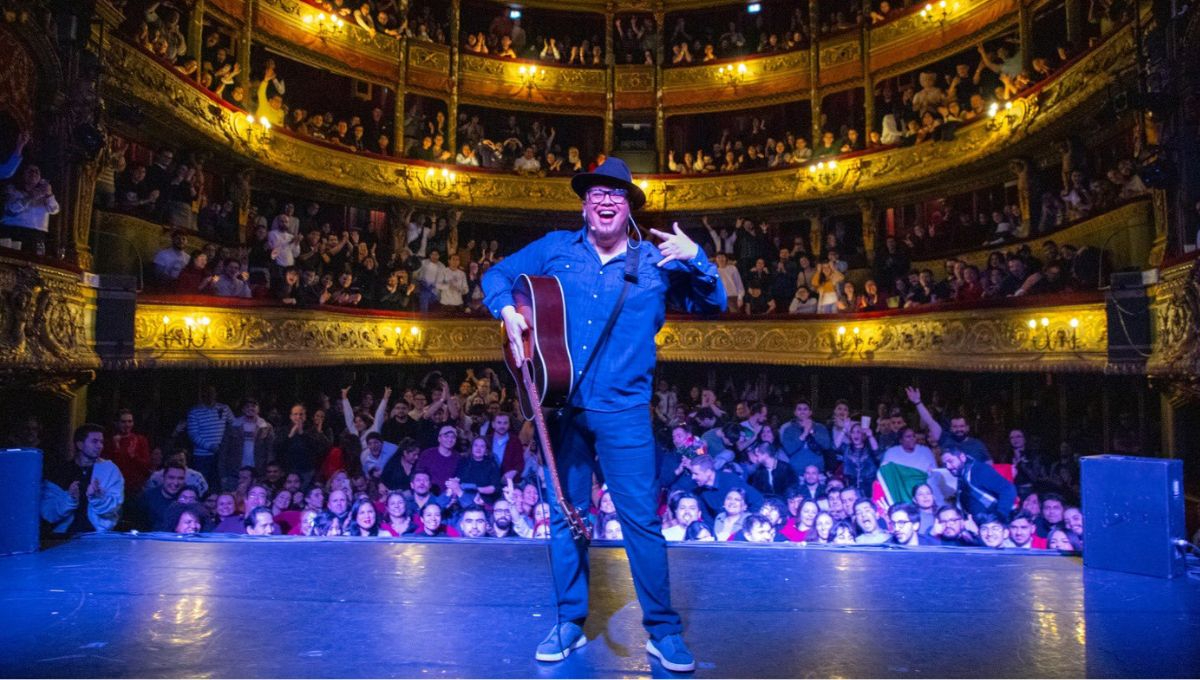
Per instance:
x=1128, y=314
x=116, y=304
x=1132, y=511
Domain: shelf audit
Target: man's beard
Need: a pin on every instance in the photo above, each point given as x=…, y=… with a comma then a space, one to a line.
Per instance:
x=502, y=524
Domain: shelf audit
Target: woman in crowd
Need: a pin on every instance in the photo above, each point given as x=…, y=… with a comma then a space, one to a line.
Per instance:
x=803, y=529
x=364, y=521
x=730, y=521
x=859, y=454
x=823, y=526
x=432, y=523
x=926, y=504
x=398, y=521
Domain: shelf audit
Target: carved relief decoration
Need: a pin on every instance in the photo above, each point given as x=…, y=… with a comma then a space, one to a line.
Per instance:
x=992, y=340
x=971, y=340
x=45, y=322
x=1175, y=318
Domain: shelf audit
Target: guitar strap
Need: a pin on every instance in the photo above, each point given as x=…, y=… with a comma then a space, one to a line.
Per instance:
x=633, y=257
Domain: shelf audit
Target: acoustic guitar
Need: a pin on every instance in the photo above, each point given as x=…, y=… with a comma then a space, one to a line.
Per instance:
x=547, y=377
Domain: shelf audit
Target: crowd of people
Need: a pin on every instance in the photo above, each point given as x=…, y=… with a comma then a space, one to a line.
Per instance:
x=299, y=258
x=925, y=107
x=427, y=459
x=531, y=148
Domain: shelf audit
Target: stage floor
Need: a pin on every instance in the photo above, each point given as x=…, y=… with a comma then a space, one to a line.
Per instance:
x=145, y=607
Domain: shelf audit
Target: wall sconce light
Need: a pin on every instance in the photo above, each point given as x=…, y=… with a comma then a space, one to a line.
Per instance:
x=853, y=343
x=938, y=13
x=407, y=340
x=193, y=334
x=325, y=24
x=824, y=173
x=1000, y=116
x=732, y=74
x=258, y=129
x=530, y=77
x=1047, y=340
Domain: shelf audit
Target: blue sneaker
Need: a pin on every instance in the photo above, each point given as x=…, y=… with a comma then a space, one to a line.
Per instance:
x=673, y=653
x=563, y=639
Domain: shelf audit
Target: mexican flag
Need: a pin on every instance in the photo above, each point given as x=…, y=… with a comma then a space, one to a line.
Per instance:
x=894, y=484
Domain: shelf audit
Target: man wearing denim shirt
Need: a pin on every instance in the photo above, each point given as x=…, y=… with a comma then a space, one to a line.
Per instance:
x=608, y=419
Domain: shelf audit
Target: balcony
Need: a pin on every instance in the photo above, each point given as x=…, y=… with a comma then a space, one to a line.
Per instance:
x=169, y=102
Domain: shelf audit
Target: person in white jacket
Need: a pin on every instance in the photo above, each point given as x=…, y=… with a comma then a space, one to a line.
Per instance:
x=452, y=285
x=87, y=496
x=731, y=278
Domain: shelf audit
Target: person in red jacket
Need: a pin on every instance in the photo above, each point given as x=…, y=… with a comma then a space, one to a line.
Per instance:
x=131, y=453
x=506, y=446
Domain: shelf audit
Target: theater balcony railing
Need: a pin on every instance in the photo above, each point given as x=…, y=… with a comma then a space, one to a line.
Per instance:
x=901, y=44
x=166, y=102
x=1068, y=335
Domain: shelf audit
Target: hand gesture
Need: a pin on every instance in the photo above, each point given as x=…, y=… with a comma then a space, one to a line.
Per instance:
x=23, y=139
x=73, y=490
x=387, y=393
x=510, y=493
x=938, y=528
x=675, y=246
x=94, y=489
x=345, y=392
x=914, y=394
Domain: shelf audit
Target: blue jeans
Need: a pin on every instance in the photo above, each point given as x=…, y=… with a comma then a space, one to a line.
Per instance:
x=623, y=444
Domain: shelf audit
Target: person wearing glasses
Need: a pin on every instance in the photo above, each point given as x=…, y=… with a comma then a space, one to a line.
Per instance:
x=906, y=519
x=608, y=420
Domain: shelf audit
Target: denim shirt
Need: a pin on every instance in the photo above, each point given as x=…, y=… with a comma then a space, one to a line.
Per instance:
x=623, y=377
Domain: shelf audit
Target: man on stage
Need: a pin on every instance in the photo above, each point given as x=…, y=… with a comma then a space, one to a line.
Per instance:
x=608, y=419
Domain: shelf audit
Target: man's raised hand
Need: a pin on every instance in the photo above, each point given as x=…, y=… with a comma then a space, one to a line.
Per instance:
x=676, y=246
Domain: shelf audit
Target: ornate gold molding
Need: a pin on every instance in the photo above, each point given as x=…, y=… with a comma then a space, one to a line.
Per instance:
x=998, y=339
x=171, y=335
x=134, y=77
x=46, y=319
x=1175, y=320
x=983, y=340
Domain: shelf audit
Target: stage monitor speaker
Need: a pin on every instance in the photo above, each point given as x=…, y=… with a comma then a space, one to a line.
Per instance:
x=1132, y=513
x=1128, y=316
x=20, y=504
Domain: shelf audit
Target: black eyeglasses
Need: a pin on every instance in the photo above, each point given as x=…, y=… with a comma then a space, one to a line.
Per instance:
x=597, y=196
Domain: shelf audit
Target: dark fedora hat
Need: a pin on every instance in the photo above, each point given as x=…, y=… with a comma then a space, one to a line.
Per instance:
x=611, y=173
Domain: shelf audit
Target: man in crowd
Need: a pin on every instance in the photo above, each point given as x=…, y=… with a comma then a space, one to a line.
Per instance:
x=130, y=451
x=170, y=261
x=867, y=519
x=906, y=520
x=713, y=485
x=86, y=495
x=155, y=501
x=958, y=436
x=1021, y=533
x=473, y=523
x=770, y=478
x=206, y=427
x=686, y=508
x=981, y=490
x=259, y=522
x=257, y=497
x=506, y=447
x=950, y=528
x=804, y=440
x=440, y=462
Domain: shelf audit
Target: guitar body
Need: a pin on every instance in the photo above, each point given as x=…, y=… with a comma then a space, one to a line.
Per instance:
x=540, y=300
